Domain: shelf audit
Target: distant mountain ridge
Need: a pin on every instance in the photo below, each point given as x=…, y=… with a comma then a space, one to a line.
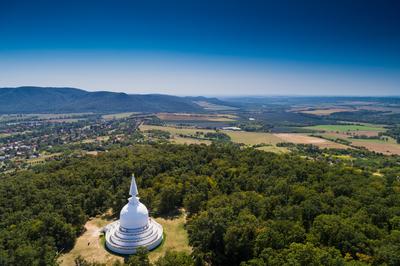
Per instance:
x=68, y=100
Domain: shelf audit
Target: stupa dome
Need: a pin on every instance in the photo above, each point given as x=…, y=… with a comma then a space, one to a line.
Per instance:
x=134, y=229
x=134, y=215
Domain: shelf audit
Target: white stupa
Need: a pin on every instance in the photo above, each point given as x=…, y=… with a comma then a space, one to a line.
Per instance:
x=134, y=228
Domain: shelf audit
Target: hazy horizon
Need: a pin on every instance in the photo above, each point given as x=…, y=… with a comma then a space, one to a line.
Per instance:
x=207, y=48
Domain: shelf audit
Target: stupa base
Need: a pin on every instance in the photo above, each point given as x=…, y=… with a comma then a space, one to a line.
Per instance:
x=126, y=241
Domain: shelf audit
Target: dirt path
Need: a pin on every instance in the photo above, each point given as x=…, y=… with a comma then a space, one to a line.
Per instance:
x=89, y=246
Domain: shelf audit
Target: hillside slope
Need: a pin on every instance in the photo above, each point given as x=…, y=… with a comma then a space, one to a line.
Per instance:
x=65, y=100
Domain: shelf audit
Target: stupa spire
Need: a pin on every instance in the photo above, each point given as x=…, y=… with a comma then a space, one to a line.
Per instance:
x=133, y=191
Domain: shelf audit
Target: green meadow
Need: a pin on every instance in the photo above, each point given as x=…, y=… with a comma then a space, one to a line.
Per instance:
x=344, y=128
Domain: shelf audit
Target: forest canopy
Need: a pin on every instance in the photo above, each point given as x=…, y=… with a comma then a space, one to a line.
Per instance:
x=245, y=207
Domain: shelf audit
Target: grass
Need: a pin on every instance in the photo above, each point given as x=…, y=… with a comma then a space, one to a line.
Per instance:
x=343, y=157
x=118, y=115
x=344, y=128
x=274, y=149
x=4, y=135
x=380, y=147
x=390, y=140
x=252, y=138
x=188, y=141
x=176, y=237
x=175, y=130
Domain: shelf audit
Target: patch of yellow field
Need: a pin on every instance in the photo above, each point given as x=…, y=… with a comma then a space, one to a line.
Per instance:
x=299, y=138
x=252, y=138
x=175, y=130
x=103, y=138
x=384, y=148
x=4, y=135
x=118, y=115
x=43, y=157
x=343, y=157
x=274, y=149
x=188, y=141
x=304, y=139
x=100, y=138
x=326, y=111
x=93, y=153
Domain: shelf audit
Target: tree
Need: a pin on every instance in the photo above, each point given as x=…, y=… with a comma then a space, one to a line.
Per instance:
x=239, y=237
x=140, y=258
x=309, y=255
x=174, y=258
x=168, y=198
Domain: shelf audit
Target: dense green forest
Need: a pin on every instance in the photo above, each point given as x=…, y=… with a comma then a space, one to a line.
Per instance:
x=245, y=207
x=394, y=132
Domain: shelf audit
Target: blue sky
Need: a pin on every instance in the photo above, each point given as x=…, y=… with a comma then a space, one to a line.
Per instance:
x=203, y=47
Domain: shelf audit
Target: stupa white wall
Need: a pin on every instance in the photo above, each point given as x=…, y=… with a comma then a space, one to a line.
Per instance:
x=134, y=228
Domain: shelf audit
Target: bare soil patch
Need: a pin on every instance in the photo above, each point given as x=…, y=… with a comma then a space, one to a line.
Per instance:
x=304, y=139
x=384, y=148
x=326, y=111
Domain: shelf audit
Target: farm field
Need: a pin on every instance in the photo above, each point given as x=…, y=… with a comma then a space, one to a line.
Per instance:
x=378, y=146
x=327, y=111
x=188, y=141
x=386, y=147
x=118, y=115
x=196, y=117
x=252, y=138
x=214, y=107
x=346, y=128
x=271, y=148
x=174, y=130
x=305, y=139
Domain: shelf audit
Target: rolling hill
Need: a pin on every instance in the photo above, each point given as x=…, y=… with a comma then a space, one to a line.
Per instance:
x=66, y=100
